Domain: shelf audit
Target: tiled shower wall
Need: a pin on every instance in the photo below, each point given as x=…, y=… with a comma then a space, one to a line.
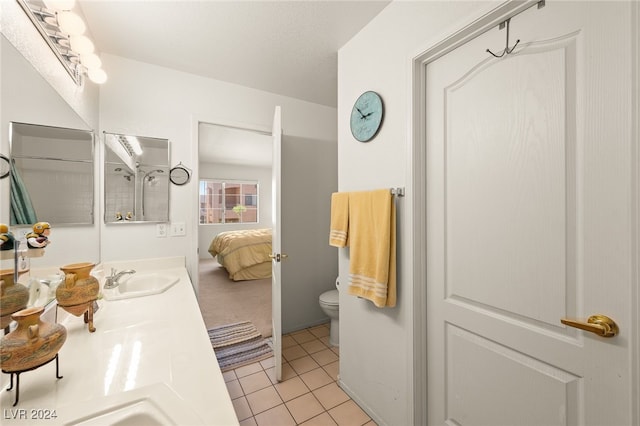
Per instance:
x=119, y=196
x=48, y=187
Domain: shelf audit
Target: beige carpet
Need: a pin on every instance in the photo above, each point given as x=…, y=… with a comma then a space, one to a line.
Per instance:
x=223, y=301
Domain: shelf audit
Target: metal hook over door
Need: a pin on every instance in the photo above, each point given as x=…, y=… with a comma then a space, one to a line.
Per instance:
x=601, y=325
x=506, y=50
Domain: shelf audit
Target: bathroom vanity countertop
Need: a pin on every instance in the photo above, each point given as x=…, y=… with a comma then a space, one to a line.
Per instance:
x=154, y=345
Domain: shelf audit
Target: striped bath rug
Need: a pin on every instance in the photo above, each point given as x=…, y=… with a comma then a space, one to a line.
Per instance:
x=238, y=344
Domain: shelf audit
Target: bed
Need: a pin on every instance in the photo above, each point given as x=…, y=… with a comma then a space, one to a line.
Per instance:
x=244, y=254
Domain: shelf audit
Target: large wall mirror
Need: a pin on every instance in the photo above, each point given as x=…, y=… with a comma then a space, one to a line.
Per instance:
x=54, y=157
x=136, y=179
x=51, y=175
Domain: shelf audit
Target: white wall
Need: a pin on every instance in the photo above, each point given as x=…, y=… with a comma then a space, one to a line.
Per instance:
x=309, y=176
x=376, y=363
x=20, y=31
x=262, y=175
x=148, y=100
x=26, y=97
x=35, y=88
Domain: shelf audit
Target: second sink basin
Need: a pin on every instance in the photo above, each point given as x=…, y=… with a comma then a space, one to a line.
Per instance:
x=156, y=404
x=138, y=285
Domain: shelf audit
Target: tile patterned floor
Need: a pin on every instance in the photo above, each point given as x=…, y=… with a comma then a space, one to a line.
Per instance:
x=308, y=394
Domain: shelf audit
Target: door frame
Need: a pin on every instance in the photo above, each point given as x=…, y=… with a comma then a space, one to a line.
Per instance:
x=193, y=259
x=459, y=35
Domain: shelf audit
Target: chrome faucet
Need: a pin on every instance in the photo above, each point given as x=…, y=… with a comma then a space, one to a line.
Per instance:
x=112, y=280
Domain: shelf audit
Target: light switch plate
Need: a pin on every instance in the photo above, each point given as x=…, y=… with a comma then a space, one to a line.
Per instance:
x=178, y=229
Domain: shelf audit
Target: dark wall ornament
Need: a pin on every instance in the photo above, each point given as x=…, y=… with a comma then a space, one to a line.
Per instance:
x=5, y=166
x=180, y=175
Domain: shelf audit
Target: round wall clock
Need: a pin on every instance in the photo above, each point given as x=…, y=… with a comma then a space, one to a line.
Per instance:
x=366, y=116
x=179, y=175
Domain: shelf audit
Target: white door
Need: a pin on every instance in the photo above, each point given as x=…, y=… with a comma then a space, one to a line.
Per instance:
x=276, y=257
x=529, y=201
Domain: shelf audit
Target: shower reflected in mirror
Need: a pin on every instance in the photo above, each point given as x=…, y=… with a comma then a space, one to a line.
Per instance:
x=136, y=179
x=126, y=174
x=51, y=175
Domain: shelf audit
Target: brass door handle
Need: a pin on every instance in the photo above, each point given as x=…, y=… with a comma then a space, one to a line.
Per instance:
x=601, y=325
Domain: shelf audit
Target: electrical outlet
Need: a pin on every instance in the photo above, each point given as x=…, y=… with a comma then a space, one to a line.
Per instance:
x=161, y=230
x=178, y=229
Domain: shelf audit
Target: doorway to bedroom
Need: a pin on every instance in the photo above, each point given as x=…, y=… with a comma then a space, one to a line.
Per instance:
x=235, y=217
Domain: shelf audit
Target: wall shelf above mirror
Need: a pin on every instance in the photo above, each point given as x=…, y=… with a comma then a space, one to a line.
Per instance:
x=52, y=175
x=136, y=179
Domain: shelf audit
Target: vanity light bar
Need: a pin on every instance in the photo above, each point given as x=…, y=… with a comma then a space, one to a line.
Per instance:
x=135, y=144
x=63, y=31
x=131, y=145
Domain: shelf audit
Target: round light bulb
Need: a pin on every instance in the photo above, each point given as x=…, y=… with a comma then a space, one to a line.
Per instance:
x=97, y=75
x=81, y=44
x=90, y=61
x=70, y=23
x=59, y=4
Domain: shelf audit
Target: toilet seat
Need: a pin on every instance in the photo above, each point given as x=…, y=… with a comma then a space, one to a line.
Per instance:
x=330, y=298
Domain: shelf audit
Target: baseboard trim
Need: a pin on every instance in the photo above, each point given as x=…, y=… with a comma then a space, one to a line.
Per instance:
x=370, y=412
x=299, y=327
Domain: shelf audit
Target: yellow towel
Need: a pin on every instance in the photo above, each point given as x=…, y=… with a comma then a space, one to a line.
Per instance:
x=338, y=235
x=372, y=236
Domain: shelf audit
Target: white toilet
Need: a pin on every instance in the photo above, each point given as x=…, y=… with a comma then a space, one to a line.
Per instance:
x=329, y=302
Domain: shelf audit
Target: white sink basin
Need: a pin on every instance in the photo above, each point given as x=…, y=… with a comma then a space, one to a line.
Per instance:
x=151, y=405
x=136, y=413
x=138, y=285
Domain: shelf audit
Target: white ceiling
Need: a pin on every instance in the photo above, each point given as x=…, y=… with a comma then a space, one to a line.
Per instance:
x=284, y=47
x=227, y=145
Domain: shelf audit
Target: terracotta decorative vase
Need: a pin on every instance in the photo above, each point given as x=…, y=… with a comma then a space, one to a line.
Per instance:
x=79, y=291
x=33, y=343
x=13, y=297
